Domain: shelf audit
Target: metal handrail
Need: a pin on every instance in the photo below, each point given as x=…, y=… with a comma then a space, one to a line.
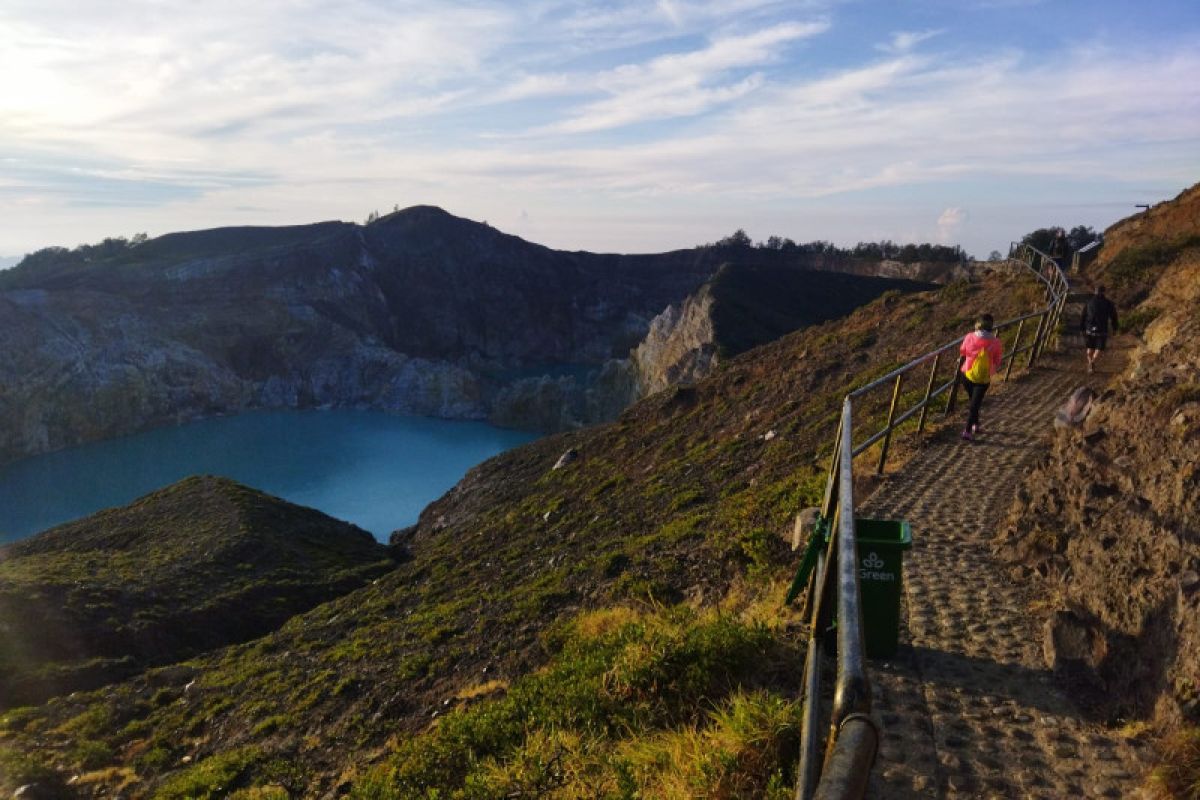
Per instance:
x=853, y=739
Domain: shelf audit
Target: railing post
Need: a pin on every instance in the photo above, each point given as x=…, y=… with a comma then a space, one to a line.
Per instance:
x=827, y=502
x=928, y=392
x=1052, y=333
x=952, y=395
x=887, y=437
x=1062, y=307
x=1016, y=346
x=807, y=771
x=1037, y=341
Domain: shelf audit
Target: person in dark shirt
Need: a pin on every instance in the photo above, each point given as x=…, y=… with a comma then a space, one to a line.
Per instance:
x=1098, y=313
x=1060, y=250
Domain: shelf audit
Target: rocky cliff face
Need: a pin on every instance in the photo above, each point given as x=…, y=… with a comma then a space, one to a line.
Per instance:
x=923, y=271
x=680, y=347
x=417, y=313
x=742, y=307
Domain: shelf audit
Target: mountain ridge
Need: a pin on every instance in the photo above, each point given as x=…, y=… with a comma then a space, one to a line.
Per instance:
x=417, y=312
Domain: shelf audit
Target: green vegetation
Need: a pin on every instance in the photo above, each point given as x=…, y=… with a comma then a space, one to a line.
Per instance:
x=873, y=251
x=135, y=578
x=1077, y=237
x=1177, y=777
x=211, y=778
x=1136, y=321
x=634, y=702
x=1131, y=272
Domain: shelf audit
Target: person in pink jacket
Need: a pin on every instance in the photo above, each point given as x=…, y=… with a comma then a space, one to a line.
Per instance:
x=982, y=354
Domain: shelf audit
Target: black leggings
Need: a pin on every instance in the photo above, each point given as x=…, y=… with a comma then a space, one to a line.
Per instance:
x=975, y=393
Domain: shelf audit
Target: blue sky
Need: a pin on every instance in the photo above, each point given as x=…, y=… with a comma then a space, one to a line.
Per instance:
x=606, y=126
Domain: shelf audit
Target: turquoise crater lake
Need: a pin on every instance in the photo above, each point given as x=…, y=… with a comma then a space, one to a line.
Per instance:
x=373, y=469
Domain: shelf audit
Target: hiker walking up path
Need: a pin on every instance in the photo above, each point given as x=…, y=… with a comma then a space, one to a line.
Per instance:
x=969, y=708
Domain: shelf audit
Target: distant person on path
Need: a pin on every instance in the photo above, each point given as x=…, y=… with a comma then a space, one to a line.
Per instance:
x=1093, y=324
x=981, y=353
x=1060, y=249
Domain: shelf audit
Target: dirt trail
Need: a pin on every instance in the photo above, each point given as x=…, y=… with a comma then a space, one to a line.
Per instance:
x=968, y=707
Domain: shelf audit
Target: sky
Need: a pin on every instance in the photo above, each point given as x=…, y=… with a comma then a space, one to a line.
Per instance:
x=621, y=126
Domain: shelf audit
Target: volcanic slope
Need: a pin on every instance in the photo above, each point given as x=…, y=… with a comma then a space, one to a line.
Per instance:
x=197, y=565
x=1109, y=521
x=613, y=622
x=410, y=314
x=419, y=312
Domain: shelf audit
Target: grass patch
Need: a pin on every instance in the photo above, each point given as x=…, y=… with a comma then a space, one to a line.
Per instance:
x=21, y=768
x=1136, y=321
x=211, y=778
x=1178, y=776
x=574, y=726
x=1132, y=269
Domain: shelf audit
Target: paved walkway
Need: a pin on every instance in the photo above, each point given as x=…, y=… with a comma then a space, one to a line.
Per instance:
x=968, y=708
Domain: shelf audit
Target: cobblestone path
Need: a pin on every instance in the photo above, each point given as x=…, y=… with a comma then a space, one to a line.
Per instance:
x=968, y=708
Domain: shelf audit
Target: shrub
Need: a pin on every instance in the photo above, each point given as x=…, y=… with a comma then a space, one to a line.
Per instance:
x=92, y=754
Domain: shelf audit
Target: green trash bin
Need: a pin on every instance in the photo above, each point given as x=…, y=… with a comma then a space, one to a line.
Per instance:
x=881, y=546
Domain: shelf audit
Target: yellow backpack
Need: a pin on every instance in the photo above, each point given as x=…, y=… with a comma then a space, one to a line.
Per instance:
x=980, y=370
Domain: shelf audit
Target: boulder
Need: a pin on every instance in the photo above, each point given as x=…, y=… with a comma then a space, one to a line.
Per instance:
x=566, y=458
x=1072, y=642
x=803, y=525
x=1075, y=410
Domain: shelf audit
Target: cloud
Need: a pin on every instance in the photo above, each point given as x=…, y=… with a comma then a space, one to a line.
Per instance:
x=671, y=11
x=249, y=112
x=904, y=41
x=677, y=84
x=949, y=223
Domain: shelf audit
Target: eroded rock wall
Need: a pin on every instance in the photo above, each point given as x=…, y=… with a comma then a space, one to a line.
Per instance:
x=1109, y=522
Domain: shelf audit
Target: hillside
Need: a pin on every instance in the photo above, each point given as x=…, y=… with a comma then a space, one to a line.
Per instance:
x=585, y=626
x=1108, y=520
x=419, y=312
x=195, y=566
x=416, y=313
x=741, y=307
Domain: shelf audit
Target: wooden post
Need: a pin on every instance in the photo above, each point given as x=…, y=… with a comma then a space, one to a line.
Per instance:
x=1016, y=346
x=928, y=392
x=829, y=502
x=887, y=438
x=1037, y=341
x=952, y=395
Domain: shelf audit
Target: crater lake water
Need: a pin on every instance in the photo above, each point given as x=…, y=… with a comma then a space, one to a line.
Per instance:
x=373, y=469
